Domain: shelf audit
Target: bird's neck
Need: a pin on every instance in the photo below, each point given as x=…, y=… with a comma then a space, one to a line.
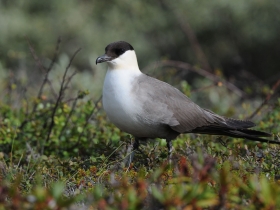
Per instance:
x=125, y=62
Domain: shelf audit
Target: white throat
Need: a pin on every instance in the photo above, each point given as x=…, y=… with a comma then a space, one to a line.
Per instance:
x=127, y=61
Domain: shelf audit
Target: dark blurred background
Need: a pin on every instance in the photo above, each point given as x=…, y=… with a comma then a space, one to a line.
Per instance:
x=238, y=40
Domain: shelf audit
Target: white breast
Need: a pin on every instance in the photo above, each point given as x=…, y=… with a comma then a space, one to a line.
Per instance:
x=120, y=107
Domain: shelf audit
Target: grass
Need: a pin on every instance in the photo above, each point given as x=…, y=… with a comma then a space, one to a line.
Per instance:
x=63, y=153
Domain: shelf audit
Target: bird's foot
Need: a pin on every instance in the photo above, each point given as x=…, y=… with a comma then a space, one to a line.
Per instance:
x=170, y=150
x=136, y=144
x=131, y=152
x=130, y=155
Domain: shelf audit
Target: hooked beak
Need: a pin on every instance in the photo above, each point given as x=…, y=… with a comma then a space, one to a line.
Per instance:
x=103, y=58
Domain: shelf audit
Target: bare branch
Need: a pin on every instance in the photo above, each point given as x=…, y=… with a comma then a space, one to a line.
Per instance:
x=88, y=118
x=59, y=99
x=204, y=88
x=69, y=79
x=43, y=69
x=268, y=97
x=46, y=79
x=202, y=72
x=35, y=57
x=69, y=115
x=188, y=31
x=55, y=54
x=86, y=123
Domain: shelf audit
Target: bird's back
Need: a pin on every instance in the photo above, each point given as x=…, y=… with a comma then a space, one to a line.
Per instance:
x=166, y=104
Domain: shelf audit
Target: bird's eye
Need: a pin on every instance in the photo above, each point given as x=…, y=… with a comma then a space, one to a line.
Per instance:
x=120, y=51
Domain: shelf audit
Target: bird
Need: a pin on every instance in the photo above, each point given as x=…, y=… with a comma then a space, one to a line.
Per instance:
x=148, y=108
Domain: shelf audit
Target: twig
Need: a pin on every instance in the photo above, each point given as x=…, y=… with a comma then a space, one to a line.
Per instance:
x=60, y=97
x=204, y=88
x=187, y=29
x=40, y=65
x=35, y=57
x=202, y=72
x=69, y=100
x=69, y=79
x=268, y=97
x=87, y=121
x=27, y=107
x=46, y=80
x=69, y=115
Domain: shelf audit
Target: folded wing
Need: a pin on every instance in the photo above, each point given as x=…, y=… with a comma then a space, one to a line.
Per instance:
x=184, y=116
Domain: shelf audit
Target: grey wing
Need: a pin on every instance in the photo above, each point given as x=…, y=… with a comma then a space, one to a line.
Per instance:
x=166, y=104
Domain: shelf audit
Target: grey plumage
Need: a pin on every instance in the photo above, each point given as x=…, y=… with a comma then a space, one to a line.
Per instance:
x=174, y=111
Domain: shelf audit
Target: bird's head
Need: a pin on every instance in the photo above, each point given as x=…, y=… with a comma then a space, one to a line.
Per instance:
x=119, y=55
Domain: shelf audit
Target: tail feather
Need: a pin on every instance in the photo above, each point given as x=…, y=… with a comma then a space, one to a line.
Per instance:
x=234, y=128
x=239, y=123
x=245, y=133
x=254, y=133
x=229, y=122
x=240, y=133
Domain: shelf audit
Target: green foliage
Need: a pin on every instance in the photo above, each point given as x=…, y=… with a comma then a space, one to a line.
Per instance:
x=58, y=150
x=82, y=163
x=200, y=182
x=76, y=129
x=63, y=153
x=272, y=118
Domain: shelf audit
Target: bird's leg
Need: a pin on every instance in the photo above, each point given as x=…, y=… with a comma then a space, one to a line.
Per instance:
x=131, y=152
x=170, y=148
x=136, y=144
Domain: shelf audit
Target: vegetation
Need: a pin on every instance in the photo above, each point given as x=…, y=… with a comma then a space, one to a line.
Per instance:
x=58, y=150
x=64, y=153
